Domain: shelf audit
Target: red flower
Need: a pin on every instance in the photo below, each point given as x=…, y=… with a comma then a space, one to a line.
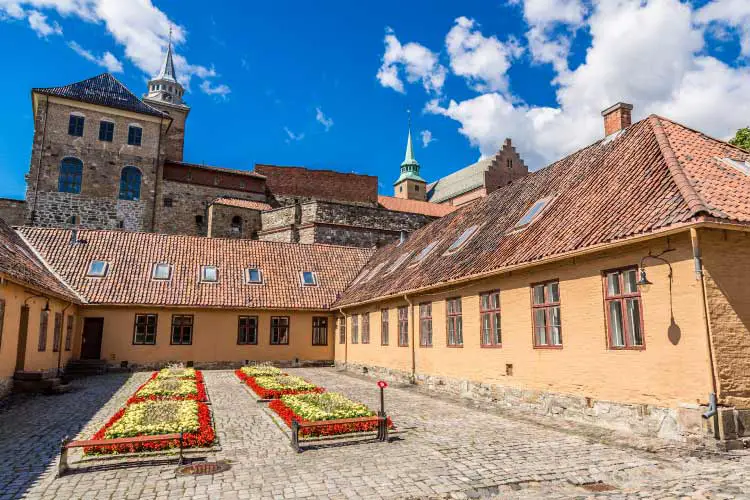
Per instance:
x=287, y=414
x=264, y=393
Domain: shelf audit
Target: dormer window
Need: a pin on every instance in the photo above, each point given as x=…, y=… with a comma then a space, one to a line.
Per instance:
x=424, y=253
x=209, y=274
x=533, y=212
x=162, y=271
x=253, y=275
x=98, y=269
x=462, y=239
x=309, y=278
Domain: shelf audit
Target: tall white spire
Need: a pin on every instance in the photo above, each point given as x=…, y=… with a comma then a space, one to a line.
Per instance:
x=164, y=87
x=167, y=69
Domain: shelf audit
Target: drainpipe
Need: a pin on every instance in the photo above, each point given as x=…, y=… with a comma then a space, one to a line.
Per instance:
x=700, y=276
x=60, y=346
x=413, y=341
x=346, y=339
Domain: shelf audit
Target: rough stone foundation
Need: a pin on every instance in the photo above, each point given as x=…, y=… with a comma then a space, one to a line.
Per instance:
x=680, y=424
x=6, y=385
x=223, y=365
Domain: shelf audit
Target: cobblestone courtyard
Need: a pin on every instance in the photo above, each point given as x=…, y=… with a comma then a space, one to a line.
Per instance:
x=446, y=451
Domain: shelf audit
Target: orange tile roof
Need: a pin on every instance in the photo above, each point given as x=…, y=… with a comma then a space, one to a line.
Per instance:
x=415, y=206
x=131, y=257
x=655, y=175
x=240, y=203
x=19, y=263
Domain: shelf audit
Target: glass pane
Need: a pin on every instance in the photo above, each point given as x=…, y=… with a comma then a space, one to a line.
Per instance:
x=539, y=294
x=210, y=274
x=540, y=324
x=553, y=291
x=555, y=329
x=161, y=272
x=634, y=321
x=253, y=275
x=495, y=300
x=615, y=324
x=630, y=280
x=497, y=328
x=613, y=284
x=459, y=331
x=484, y=301
x=462, y=239
x=485, y=329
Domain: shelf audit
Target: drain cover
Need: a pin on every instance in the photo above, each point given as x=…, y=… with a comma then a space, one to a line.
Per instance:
x=203, y=468
x=598, y=487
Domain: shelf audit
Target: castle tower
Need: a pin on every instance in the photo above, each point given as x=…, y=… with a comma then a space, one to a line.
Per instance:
x=165, y=93
x=410, y=185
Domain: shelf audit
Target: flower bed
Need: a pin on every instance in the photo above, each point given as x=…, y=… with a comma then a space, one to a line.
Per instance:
x=165, y=404
x=273, y=387
x=159, y=387
x=316, y=407
x=261, y=371
x=177, y=372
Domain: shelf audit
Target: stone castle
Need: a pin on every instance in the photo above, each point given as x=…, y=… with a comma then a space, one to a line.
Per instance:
x=102, y=158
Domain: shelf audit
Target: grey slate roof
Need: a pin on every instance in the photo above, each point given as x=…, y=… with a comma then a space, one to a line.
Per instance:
x=459, y=182
x=104, y=90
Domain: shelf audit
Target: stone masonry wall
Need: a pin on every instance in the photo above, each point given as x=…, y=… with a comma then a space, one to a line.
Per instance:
x=13, y=212
x=363, y=217
x=363, y=237
x=221, y=225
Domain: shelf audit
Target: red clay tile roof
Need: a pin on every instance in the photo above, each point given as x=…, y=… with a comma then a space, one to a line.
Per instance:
x=320, y=184
x=654, y=175
x=237, y=202
x=415, y=206
x=132, y=255
x=19, y=263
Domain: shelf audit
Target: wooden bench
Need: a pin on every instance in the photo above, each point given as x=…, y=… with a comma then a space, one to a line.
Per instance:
x=66, y=444
x=297, y=426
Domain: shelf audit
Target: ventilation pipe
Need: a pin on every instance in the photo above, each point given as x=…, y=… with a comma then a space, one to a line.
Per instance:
x=403, y=236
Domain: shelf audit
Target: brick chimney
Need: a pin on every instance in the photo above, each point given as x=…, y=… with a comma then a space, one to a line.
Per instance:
x=617, y=117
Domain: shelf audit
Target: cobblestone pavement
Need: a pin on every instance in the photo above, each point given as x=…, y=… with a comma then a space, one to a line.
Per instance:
x=446, y=451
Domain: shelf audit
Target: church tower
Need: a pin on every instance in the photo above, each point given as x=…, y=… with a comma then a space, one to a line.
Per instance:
x=410, y=185
x=165, y=93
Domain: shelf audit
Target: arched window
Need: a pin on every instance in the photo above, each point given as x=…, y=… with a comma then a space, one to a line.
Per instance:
x=71, y=172
x=130, y=184
x=236, y=224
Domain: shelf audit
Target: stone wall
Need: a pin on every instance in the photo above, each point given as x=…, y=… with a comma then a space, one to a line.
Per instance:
x=361, y=216
x=6, y=385
x=221, y=225
x=13, y=212
x=351, y=236
x=279, y=218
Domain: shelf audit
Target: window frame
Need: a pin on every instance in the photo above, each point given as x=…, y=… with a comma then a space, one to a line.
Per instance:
x=135, y=138
x=90, y=273
x=69, y=326
x=57, y=328
x=365, y=328
x=248, y=328
x=403, y=321
x=457, y=319
x=278, y=326
x=314, y=276
x=129, y=190
x=202, y=274
x=425, y=318
x=322, y=330
x=384, y=324
x=622, y=298
x=355, y=328
x=73, y=128
x=183, y=326
x=72, y=177
x=494, y=321
x=342, y=330
x=248, y=281
x=169, y=271
x=43, y=330
x=456, y=246
x=424, y=253
x=145, y=324
x=547, y=306
x=545, y=201
x=106, y=130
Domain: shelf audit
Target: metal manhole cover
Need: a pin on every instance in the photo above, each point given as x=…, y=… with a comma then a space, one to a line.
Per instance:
x=203, y=468
x=596, y=487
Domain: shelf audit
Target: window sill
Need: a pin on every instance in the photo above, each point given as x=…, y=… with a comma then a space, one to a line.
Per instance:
x=544, y=347
x=455, y=346
x=403, y=345
x=634, y=348
x=491, y=346
x=426, y=345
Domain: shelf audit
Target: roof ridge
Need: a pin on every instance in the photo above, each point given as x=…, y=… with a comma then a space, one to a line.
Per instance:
x=694, y=202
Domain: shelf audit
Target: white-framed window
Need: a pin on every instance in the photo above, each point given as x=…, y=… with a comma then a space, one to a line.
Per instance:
x=98, y=268
x=533, y=212
x=162, y=271
x=253, y=275
x=309, y=278
x=209, y=274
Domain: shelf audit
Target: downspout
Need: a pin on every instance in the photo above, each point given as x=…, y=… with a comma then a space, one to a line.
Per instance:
x=60, y=346
x=413, y=341
x=699, y=275
x=346, y=339
x=41, y=155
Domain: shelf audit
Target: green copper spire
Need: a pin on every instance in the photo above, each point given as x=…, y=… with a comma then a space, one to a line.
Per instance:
x=410, y=166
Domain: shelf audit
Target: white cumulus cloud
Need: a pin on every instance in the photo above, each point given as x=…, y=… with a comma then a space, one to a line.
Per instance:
x=417, y=62
x=107, y=60
x=219, y=90
x=324, y=120
x=41, y=26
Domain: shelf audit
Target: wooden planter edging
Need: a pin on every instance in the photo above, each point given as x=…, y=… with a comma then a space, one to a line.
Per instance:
x=382, y=434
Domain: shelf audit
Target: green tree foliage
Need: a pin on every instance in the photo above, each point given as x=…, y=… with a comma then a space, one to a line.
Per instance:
x=742, y=139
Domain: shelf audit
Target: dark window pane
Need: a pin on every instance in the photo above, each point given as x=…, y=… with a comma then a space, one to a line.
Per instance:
x=70, y=176
x=134, y=135
x=130, y=183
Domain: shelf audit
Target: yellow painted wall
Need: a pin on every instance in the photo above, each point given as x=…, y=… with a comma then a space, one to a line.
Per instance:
x=670, y=370
x=35, y=360
x=726, y=259
x=214, y=336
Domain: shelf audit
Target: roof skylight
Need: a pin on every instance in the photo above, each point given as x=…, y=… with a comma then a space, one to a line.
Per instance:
x=98, y=268
x=533, y=212
x=162, y=271
x=209, y=274
x=742, y=166
x=462, y=239
x=253, y=275
x=309, y=278
x=424, y=253
x=399, y=261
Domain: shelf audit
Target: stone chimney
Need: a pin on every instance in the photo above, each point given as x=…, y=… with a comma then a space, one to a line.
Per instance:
x=617, y=117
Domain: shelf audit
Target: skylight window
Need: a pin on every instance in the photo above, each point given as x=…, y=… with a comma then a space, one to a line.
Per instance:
x=162, y=271
x=742, y=166
x=424, y=253
x=462, y=239
x=98, y=268
x=375, y=271
x=209, y=274
x=253, y=275
x=399, y=261
x=533, y=212
x=309, y=278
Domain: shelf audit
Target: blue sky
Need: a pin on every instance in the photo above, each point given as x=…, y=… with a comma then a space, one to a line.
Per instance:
x=327, y=84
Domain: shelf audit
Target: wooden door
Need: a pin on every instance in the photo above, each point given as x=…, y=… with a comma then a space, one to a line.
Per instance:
x=91, y=343
x=23, y=333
